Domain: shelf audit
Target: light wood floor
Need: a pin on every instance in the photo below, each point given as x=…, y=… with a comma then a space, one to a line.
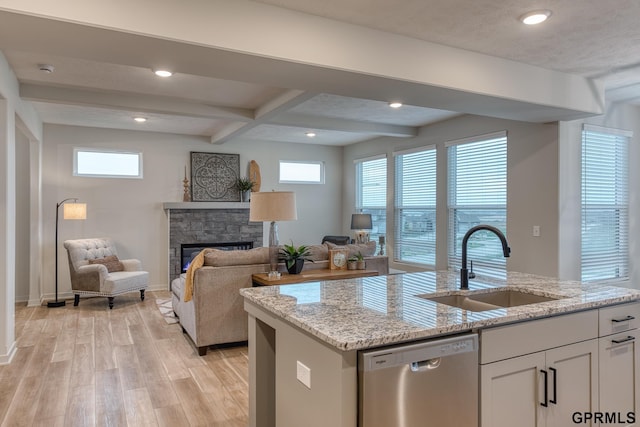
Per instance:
x=91, y=366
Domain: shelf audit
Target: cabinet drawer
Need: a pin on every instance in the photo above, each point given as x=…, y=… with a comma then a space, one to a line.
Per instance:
x=508, y=341
x=619, y=318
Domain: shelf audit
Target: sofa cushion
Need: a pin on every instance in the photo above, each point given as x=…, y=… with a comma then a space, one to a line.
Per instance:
x=318, y=252
x=366, y=249
x=219, y=258
x=112, y=263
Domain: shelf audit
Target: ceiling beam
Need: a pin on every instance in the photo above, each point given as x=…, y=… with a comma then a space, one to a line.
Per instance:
x=136, y=103
x=263, y=115
x=343, y=125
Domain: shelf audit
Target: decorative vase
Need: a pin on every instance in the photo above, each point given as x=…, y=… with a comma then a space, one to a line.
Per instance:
x=245, y=196
x=352, y=265
x=360, y=265
x=296, y=267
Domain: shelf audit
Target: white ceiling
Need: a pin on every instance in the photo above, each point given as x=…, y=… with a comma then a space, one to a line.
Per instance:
x=591, y=38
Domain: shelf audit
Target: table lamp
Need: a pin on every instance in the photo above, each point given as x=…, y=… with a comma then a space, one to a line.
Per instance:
x=70, y=211
x=361, y=222
x=273, y=206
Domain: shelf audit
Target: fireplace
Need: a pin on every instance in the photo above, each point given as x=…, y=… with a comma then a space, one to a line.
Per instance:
x=205, y=225
x=188, y=251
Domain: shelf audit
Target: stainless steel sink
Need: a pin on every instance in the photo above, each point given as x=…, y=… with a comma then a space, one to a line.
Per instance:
x=510, y=298
x=492, y=300
x=464, y=302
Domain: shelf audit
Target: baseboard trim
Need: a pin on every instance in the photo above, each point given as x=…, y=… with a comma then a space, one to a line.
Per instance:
x=5, y=359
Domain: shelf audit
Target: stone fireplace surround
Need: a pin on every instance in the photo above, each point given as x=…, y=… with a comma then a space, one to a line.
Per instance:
x=207, y=222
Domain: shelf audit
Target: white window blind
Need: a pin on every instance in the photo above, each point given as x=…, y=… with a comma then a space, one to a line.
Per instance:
x=415, y=206
x=605, y=204
x=371, y=192
x=477, y=194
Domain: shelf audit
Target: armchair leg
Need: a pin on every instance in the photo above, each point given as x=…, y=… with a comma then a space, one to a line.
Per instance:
x=142, y=294
x=202, y=351
x=110, y=302
x=76, y=300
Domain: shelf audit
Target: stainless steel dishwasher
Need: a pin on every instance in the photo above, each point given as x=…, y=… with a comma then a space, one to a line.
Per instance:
x=430, y=383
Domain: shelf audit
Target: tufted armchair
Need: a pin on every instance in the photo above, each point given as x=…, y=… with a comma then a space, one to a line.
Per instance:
x=96, y=270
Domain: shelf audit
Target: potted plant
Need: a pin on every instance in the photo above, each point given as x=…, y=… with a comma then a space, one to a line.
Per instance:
x=352, y=263
x=294, y=257
x=244, y=186
x=360, y=264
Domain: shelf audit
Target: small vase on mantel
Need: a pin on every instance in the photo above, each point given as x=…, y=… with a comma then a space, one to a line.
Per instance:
x=245, y=196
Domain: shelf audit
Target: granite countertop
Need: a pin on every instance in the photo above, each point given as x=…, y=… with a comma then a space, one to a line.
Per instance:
x=355, y=314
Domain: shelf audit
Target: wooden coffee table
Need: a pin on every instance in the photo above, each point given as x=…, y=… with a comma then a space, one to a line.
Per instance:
x=262, y=279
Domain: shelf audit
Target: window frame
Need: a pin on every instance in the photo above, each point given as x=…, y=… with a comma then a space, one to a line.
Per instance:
x=454, y=256
x=378, y=212
x=619, y=254
x=320, y=163
x=399, y=244
x=78, y=150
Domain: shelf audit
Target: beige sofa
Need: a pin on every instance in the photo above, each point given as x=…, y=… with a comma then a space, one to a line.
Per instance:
x=216, y=315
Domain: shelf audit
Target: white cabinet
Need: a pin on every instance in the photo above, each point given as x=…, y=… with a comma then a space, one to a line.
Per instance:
x=558, y=376
x=540, y=389
x=619, y=362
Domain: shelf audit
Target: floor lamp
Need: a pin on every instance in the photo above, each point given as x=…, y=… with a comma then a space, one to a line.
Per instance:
x=273, y=206
x=70, y=211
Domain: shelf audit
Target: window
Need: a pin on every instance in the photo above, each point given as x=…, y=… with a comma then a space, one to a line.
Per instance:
x=478, y=195
x=605, y=200
x=106, y=163
x=415, y=206
x=371, y=192
x=293, y=172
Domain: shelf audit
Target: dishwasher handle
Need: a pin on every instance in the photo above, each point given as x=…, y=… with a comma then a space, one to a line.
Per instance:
x=425, y=365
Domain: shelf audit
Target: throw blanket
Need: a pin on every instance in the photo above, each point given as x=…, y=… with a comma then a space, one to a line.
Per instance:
x=196, y=263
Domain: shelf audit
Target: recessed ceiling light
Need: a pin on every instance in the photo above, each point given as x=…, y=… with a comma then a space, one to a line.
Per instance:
x=163, y=73
x=395, y=104
x=535, y=17
x=140, y=119
x=310, y=134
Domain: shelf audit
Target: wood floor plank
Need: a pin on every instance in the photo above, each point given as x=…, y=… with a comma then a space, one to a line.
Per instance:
x=22, y=411
x=88, y=365
x=81, y=408
x=162, y=393
x=170, y=416
x=55, y=389
x=139, y=408
x=109, y=402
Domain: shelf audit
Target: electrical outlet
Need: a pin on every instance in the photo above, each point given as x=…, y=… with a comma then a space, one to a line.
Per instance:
x=536, y=231
x=303, y=373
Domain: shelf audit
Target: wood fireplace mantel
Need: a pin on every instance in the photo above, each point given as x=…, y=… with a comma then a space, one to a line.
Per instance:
x=205, y=205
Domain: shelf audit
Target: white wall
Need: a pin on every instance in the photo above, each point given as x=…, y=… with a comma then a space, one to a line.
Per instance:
x=23, y=217
x=12, y=111
x=532, y=186
x=130, y=210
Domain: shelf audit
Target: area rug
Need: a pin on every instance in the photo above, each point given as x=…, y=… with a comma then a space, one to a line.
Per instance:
x=166, y=309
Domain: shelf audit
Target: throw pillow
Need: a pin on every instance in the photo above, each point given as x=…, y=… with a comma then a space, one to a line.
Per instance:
x=318, y=252
x=366, y=249
x=111, y=262
x=219, y=258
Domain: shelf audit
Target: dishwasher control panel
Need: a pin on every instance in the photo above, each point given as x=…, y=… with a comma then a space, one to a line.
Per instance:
x=418, y=352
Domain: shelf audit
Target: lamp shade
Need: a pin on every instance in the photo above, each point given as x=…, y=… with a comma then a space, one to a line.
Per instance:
x=361, y=222
x=273, y=206
x=74, y=211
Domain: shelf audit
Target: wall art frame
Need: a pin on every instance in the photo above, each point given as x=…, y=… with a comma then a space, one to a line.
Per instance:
x=213, y=177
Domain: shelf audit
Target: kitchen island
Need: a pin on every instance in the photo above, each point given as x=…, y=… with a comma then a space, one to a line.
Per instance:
x=304, y=339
